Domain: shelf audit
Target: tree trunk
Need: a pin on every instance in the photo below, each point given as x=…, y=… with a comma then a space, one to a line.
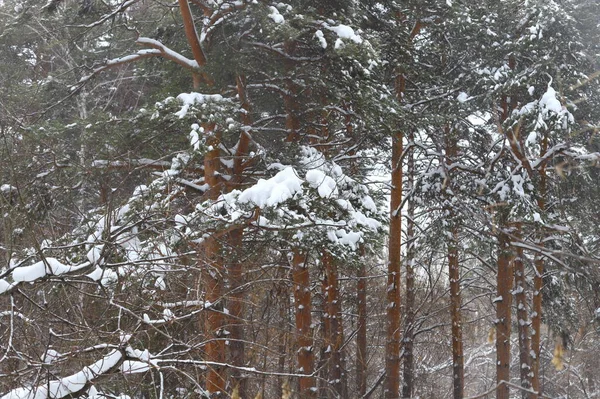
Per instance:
x=235, y=241
x=361, y=334
x=536, y=319
x=458, y=370
x=326, y=349
x=337, y=372
x=392, y=356
x=283, y=340
x=212, y=275
x=458, y=375
x=235, y=305
x=522, y=319
x=409, y=305
x=503, y=316
x=304, y=337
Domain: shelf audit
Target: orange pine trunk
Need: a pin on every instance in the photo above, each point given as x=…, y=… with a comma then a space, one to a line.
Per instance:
x=503, y=316
x=215, y=345
x=458, y=371
x=392, y=356
x=212, y=275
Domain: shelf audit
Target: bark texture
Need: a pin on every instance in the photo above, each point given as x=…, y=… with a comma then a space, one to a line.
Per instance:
x=458, y=368
x=458, y=371
x=536, y=314
x=392, y=360
x=522, y=318
x=302, y=304
x=409, y=305
x=212, y=276
x=337, y=372
x=503, y=316
x=361, y=334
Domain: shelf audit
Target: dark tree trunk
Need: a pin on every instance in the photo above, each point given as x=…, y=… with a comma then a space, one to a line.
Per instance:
x=361, y=334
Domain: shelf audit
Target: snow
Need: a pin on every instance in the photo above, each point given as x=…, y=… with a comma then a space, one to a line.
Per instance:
x=168, y=314
x=351, y=238
x=167, y=52
x=324, y=184
x=50, y=356
x=195, y=136
x=463, y=97
x=189, y=99
x=106, y=277
x=49, y=266
x=5, y=286
x=550, y=102
x=281, y=187
x=276, y=16
x=345, y=32
x=94, y=255
x=68, y=385
x=7, y=188
x=319, y=35
x=134, y=366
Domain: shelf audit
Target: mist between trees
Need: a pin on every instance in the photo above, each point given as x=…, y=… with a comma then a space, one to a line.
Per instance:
x=301, y=199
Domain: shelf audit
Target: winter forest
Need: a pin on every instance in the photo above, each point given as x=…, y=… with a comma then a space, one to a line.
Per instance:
x=300, y=199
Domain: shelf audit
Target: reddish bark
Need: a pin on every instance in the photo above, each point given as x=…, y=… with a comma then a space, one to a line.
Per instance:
x=235, y=304
x=191, y=33
x=458, y=371
x=212, y=273
x=325, y=356
x=215, y=345
x=392, y=357
x=392, y=360
x=337, y=370
x=503, y=316
x=303, y=306
x=522, y=318
x=536, y=319
x=235, y=241
x=244, y=140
